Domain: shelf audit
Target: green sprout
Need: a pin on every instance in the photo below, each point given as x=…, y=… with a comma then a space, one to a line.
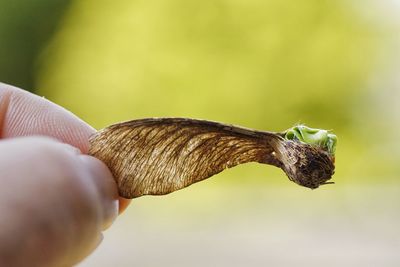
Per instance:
x=311, y=136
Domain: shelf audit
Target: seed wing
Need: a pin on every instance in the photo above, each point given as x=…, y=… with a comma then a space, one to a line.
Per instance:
x=159, y=156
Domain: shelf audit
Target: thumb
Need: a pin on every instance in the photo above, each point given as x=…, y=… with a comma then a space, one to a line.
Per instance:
x=54, y=202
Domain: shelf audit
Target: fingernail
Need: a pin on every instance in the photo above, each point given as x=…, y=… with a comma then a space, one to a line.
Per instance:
x=123, y=204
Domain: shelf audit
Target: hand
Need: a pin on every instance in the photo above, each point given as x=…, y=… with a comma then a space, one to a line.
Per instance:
x=54, y=199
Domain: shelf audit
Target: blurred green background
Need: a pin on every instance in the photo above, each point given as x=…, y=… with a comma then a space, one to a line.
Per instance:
x=260, y=64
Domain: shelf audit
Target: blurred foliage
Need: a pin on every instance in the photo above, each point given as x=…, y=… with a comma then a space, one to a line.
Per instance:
x=25, y=27
x=261, y=64
x=265, y=64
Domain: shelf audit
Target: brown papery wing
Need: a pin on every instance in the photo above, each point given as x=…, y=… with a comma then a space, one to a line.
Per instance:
x=159, y=156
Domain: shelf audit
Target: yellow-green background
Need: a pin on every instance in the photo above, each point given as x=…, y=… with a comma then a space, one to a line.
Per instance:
x=261, y=64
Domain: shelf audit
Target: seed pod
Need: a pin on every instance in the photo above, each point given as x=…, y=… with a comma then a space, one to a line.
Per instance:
x=157, y=156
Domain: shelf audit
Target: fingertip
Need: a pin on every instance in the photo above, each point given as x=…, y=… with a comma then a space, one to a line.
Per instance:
x=107, y=189
x=24, y=114
x=123, y=204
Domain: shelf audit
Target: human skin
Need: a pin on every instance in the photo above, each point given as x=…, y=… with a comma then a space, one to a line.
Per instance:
x=55, y=200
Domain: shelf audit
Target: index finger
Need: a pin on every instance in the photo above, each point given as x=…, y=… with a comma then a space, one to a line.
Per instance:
x=23, y=114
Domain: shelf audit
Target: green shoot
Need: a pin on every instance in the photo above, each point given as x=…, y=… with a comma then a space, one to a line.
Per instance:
x=311, y=136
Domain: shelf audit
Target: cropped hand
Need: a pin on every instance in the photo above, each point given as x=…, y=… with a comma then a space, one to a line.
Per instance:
x=54, y=200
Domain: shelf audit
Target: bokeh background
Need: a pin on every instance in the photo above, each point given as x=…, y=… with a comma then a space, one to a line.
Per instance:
x=263, y=64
